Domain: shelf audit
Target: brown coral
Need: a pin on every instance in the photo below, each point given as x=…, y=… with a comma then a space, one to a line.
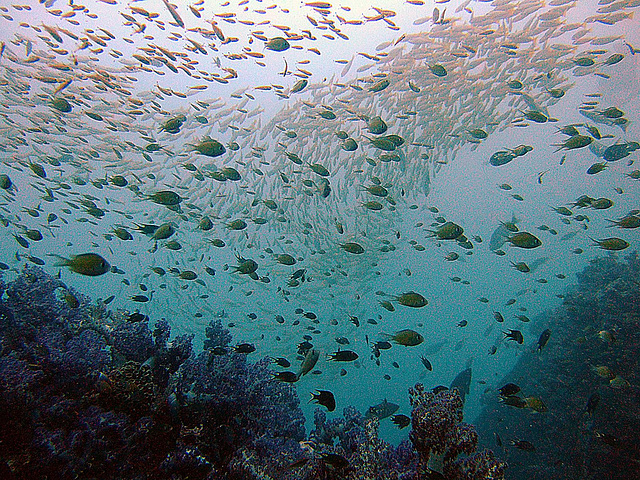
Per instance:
x=131, y=389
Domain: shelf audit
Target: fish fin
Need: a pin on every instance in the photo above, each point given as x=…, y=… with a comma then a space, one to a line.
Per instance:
x=62, y=261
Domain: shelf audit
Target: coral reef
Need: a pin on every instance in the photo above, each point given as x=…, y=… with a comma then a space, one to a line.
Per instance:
x=94, y=395
x=597, y=326
x=358, y=452
x=100, y=394
x=438, y=429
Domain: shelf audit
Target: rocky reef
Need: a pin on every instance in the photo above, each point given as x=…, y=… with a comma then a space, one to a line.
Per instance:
x=93, y=393
x=588, y=378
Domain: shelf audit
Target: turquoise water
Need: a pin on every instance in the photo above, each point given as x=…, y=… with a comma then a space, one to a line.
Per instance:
x=135, y=67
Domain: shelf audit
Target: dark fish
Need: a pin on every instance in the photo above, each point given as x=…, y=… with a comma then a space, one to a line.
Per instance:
x=426, y=363
x=343, y=356
x=514, y=335
x=324, y=398
x=36, y=260
x=544, y=338
x=288, y=377
x=382, y=410
x=298, y=274
x=282, y=362
x=401, y=421
x=509, y=389
x=609, y=439
x=382, y=345
x=334, y=460
x=438, y=389
x=462, y=382
x=592, y=403
x=498, y=440
x=245, y=348
x=304, y=347
x=137, y=317
x=523, y=445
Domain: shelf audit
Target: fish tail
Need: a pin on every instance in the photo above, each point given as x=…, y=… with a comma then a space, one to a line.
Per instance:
x=62, y=261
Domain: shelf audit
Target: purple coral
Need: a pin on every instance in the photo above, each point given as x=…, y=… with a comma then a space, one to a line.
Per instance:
x=133, y=341
x=437, y=428
x=356, y=440
x=237, y=407
x=32, y=297
x=217, y=335
x=130, y=402
x=86, y=351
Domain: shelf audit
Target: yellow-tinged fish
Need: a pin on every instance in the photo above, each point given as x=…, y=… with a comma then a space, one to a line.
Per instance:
x=535, y=404
x=603, y=371
x=411, y=299
x=90, y=264
x=406, y=337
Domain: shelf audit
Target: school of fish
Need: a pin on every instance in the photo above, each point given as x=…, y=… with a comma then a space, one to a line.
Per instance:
x=138, y=143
